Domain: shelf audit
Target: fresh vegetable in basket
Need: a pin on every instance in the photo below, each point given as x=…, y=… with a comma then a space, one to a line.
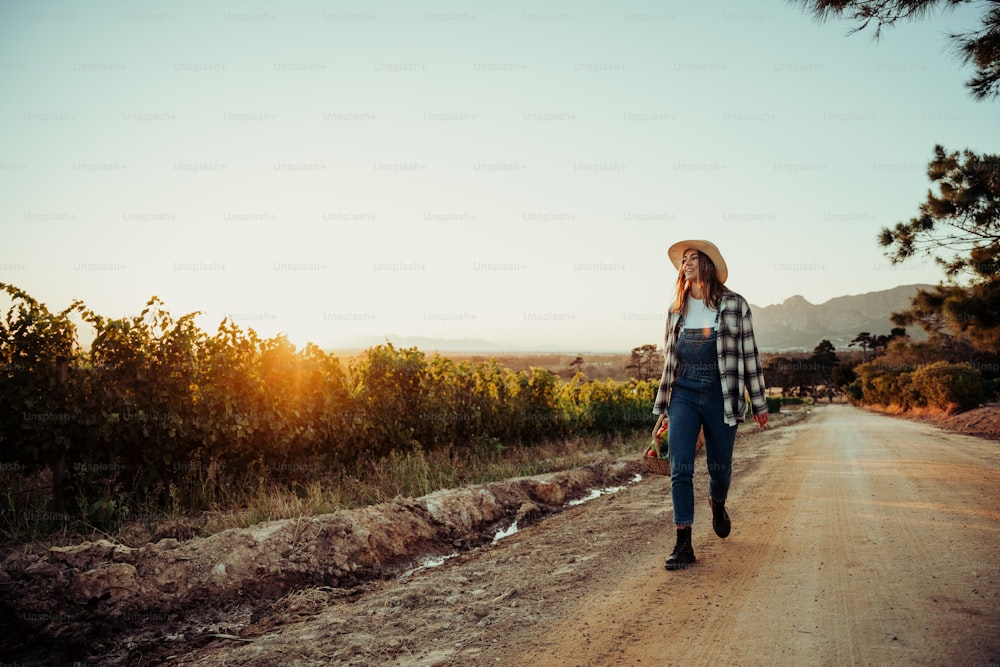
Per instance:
x=661, y=441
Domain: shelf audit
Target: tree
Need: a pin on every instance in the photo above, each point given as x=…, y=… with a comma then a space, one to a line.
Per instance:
x=962, y=223
x=643, y=358
x=951, y=311
x=877, y=344
x=980, y=48
x=823, y=361
x=843, y=376
x=880, y=343
x=863, y=340
x=778, y=373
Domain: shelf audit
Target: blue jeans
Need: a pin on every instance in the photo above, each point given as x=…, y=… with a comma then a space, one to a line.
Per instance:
x=696, y=403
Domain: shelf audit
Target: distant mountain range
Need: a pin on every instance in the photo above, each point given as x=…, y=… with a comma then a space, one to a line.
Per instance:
x=796, y=324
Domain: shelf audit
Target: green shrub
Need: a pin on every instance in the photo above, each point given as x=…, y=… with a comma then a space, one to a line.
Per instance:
x=883, y=384
x=991, y=389
x=940, y=385
x=774, y=404
x=948, y=386
x=853, y=391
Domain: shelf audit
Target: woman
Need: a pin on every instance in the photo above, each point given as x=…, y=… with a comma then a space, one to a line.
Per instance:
x=711, y=362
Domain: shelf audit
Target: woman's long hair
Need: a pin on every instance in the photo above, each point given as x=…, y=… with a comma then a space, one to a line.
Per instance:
x=709, y=279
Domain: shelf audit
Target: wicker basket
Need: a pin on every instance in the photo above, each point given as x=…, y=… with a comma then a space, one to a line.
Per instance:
x=656, y=465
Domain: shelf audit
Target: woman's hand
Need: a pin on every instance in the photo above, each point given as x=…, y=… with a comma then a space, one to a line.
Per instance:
x=761, y=419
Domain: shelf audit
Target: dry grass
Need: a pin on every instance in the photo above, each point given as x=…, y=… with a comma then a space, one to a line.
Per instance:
x=239, y=501
x=926, y=412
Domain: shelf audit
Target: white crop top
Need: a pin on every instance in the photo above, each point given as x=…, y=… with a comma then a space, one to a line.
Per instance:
x=700, y=316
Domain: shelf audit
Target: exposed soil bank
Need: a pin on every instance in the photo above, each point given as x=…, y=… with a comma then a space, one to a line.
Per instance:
x=86, y=594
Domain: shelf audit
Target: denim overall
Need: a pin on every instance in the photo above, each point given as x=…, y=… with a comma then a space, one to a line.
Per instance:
x=696, y=403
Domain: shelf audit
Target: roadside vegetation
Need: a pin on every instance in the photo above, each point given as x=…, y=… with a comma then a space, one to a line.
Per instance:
x=958, y=366
x=959, y=227
x=160, y=420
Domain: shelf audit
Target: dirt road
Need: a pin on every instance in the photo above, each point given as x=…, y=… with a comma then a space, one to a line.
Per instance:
x=857, y=539
x=861, y=540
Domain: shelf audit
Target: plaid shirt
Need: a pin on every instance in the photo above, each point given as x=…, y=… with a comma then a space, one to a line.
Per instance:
x=739, y=362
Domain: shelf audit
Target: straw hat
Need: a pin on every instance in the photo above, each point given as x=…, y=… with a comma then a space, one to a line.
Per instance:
x=706, y=248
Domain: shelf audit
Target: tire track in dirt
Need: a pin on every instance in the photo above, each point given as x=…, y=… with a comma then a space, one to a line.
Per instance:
x=812, y=585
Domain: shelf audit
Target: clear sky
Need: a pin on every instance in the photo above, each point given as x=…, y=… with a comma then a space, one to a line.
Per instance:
x=508, y=171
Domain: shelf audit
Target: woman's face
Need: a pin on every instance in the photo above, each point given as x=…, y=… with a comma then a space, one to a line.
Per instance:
x=689, y=265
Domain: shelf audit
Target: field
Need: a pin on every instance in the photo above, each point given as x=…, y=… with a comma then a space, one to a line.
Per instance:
x=595, y=366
